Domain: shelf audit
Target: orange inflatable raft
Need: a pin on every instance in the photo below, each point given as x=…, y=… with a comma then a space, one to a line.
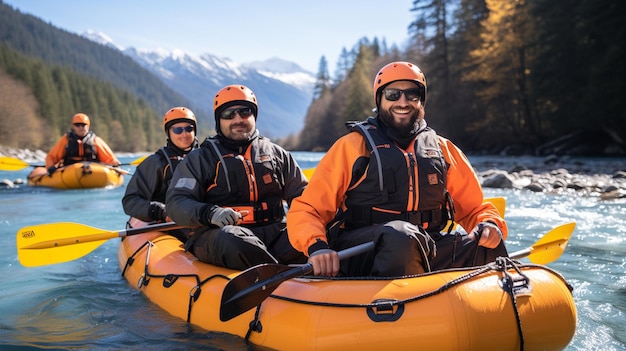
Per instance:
x=506, y=305
x=81, y=175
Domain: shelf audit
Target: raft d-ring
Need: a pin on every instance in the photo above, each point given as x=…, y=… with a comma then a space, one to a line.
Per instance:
x=256, y=326
x=142, y=281
x=195, y=292
x=385, y=310
x=169, y=280
x=87, y=169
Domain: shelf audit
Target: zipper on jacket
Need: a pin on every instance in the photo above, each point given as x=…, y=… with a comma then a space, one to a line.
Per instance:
x=412, y=203
x=252, y=186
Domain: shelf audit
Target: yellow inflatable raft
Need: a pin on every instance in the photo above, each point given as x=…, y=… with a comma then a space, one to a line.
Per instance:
x=503, y=306
x=79, y=175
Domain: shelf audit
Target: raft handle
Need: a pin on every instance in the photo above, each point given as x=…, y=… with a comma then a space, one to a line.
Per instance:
x=385, y=310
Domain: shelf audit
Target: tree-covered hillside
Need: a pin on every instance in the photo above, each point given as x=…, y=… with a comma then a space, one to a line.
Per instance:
x=67, y=74
x=534, y=77
x=511, y=77
x=38, y=101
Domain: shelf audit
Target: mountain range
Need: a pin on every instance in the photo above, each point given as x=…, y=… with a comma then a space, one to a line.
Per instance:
x=284, y=90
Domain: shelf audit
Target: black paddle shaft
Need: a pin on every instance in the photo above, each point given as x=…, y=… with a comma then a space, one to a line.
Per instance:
x=255, y=284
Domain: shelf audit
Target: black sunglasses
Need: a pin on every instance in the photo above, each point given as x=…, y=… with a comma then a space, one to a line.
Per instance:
x=180, y=130
x=413, y=94
x=243, y=112
x=80, y=124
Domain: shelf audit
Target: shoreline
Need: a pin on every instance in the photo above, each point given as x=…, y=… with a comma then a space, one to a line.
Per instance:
x=594, y=177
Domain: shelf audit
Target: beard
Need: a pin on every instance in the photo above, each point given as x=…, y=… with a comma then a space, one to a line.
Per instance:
x=399, y=129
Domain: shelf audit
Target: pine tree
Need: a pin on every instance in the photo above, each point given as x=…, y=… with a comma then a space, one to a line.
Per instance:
x=322, y=82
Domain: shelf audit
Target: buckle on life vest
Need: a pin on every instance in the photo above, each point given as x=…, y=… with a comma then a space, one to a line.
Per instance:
x=247, y=218
x=260, y=213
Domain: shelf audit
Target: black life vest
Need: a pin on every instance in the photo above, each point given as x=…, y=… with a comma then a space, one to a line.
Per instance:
x=172, y=160
x=169, y=161
x=171, y=155
x=383, y=194
x=254, y=185
x=74, y=146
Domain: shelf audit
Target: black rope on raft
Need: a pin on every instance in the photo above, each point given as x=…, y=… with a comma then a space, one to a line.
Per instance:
x=255, y=324
x=513, y=285
x=171, y=278
x=388, y=303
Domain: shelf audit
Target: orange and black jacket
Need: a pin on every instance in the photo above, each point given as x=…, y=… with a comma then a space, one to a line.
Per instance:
x=366, y=179
x=71, y=149
x=257, y=178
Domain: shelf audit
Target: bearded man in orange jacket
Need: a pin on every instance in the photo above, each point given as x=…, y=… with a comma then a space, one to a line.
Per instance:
x=394, y=181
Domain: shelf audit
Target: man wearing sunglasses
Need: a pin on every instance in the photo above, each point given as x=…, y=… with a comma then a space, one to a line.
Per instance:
x=394, y=181
x=234, y=187
x=79, y=144
x=144, y=200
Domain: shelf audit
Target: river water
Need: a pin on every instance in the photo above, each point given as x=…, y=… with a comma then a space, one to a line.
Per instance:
x=87, y=304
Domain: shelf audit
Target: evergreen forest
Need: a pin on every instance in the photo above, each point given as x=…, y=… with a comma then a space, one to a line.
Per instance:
x=512, y=77
x=48, y=74
x=509, y=77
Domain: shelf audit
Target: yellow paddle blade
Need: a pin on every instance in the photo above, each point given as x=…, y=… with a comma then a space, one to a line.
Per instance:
x=499, y=203
x=44, y=244
x=551, y=246
x=309, y=172
x=12, y=164
x=139, y=160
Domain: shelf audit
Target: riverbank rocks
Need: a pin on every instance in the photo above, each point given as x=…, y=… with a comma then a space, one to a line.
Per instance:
x=25, y=155
x=598, y=178
x=604, y=178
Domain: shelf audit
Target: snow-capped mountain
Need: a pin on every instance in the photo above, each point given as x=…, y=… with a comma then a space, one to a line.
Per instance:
x=284, y=90
x=101, y=38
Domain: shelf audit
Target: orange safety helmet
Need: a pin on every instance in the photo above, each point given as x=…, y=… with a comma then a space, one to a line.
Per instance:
x=396, y=71
x=232, y=95
x=81, y=118
x=178, y=114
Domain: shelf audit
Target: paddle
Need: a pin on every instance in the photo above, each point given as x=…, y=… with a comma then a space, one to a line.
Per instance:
x=44, y=244
x=251, y=287
x=255, y=284
x=8, y=163
x=550, y=247
x=309, y=172
x=135, y=162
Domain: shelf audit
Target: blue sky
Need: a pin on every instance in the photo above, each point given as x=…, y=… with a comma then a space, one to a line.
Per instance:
x=242, y=30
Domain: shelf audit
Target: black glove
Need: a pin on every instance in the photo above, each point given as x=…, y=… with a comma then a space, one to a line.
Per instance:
x=52, y=169
x=157, y=211
x=222, y=216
